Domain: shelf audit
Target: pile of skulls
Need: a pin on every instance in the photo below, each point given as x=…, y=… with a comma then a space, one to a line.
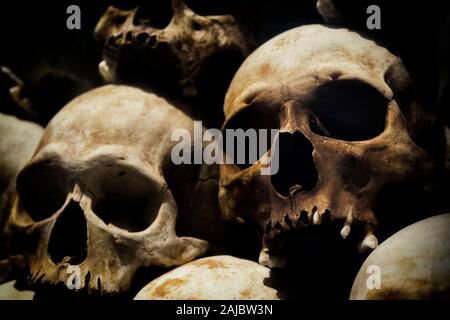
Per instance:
x=93, y=204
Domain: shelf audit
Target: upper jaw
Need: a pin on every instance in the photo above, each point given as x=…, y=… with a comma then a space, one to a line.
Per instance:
x=277, y=234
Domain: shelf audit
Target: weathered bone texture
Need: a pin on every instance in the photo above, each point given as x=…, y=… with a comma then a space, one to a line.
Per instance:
x=346, y=113
x=8, y=291
x=413, y=264
x=138, y=46
x=96, y=196
x=18, y=141
x=14, y=99
x=212, y=278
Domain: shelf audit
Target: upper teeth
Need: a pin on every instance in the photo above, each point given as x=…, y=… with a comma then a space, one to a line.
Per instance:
x=316, y=217
x=345, y=231
x=370, y=242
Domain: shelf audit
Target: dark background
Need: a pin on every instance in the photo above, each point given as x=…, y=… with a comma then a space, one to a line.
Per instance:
x=34, y=35
x=56, y=64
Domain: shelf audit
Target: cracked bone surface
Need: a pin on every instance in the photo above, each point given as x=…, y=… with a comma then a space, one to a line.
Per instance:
x=212, y=278
x=101, y=194
x=414, y=263
x=345, y=110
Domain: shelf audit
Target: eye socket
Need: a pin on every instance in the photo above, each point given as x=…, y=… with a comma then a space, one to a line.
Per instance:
x=127, y=199
x=119, y=19
x=196, y=26
x=348, y=110
x=247, y=136
x=158, y=14
x=43, y=189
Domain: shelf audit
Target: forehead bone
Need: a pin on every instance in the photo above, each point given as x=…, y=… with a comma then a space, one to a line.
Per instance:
x=306, y=56
x=113, y=115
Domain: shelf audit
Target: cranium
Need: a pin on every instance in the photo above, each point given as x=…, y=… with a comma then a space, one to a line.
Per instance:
x=162, y=43
x=346, y=112
x=19, y=138
x=95, y=200
x=212, y=278
x=412, y=264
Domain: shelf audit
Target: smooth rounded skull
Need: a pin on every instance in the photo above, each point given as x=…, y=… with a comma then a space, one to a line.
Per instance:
x=166, y=43
x=212, y=278
x=412, y=264
x=94, y=204
x=345, y=111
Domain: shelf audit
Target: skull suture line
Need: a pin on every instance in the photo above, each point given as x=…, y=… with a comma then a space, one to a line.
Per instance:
x=344, y=107
x=96, y=193
x=141, y=41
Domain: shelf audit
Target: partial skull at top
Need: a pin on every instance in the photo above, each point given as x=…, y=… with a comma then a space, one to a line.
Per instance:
x=346, y=112
x=167, y=43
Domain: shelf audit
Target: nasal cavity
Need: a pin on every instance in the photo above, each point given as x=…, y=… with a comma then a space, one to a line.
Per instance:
x=296, y=166
x=69, y=236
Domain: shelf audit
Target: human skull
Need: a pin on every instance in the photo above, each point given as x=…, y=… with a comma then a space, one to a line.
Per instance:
x=412, y=264
x=18, y=140
x=164, y=42
x=95, y=198
x=212, y=278
x=345, y=111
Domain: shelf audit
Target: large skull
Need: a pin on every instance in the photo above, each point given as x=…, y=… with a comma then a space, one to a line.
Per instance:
x=162, y=42
x=345, y=111
x=96, y=193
